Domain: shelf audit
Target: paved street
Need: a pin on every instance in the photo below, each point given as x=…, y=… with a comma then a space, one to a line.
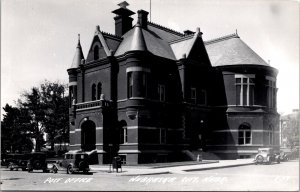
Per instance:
x=275, y=177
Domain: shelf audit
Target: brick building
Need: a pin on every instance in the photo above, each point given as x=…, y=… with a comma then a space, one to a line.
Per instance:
x=151, y=94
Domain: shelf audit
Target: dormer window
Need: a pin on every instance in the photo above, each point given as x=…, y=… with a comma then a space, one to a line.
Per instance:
x=96, y=52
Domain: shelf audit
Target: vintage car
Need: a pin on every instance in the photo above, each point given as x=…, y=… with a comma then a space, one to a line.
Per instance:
x=266, y=156
x=74, y=161
x=37, y=161
x=16, y=161
x=285, y=154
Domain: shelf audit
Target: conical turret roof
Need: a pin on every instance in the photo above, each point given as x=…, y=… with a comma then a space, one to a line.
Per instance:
x=138, y=42
x=78, y=55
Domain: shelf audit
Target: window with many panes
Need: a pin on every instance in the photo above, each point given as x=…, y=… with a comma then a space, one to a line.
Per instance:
x=244, y=134
x=271, y=92
x=244, y=89
x=161, y=92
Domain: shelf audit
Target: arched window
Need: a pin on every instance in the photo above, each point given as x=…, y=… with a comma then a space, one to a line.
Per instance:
x=99, y=90
x=245, y=135
x=96, y=52
x=93, y=92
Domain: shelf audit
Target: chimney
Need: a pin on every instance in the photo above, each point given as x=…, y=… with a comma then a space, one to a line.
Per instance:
x=188, y=32
x=143, y=18
x=123, y=21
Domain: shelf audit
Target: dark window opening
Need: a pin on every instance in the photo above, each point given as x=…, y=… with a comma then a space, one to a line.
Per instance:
x=96, y=52
x=99, y=90
x=93, y=92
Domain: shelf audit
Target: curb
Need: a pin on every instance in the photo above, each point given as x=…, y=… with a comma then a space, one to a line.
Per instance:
x=225, y=166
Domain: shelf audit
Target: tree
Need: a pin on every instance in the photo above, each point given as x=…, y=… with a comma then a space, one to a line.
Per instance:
x=56, y=122
x=33, y=104
x=290, y=130
x=14, y=134
x=40, y=110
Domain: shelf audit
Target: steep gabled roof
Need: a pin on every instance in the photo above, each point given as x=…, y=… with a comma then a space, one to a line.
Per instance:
x=108, y=42
x=231, y=50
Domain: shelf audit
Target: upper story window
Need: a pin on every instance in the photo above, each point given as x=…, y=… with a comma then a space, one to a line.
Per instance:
x=99, y=90
x=161, y=92
x=93, y=92
x=96, y=52
x=130, y=84
x=244, y=89
x=194, y=95
x=245, y=136
x=137, y=78
x=271, y=92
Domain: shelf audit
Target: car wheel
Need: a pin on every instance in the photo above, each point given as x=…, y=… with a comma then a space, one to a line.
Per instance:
x=37, y=165
x=259, y=159
x=70, y=169
x=54, y=169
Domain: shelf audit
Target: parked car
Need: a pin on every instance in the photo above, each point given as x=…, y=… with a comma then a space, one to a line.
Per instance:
x=266, y=156
x=16, y=161
x=37, y=161
x=285, y=154
x=72, y=162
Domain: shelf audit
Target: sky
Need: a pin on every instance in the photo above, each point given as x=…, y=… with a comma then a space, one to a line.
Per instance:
x=39, y=37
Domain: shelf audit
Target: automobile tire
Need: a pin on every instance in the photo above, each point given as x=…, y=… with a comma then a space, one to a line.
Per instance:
x=259, y=159
x=37, y=164
x=70, y=170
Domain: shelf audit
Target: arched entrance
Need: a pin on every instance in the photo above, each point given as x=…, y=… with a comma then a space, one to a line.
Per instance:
x=88, y=136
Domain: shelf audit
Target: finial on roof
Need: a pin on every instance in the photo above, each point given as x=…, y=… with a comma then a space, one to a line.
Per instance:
x=98, y=28
x=236, y=32
x=123, y=4
x=198, y=32
x=78, y=38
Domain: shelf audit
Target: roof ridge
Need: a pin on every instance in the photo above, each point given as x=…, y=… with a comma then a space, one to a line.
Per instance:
x=221, y=38
x=167, y=29
x=185, y=37
x=111, y=35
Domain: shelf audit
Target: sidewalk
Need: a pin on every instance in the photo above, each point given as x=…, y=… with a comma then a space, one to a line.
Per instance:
x=179, y=168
